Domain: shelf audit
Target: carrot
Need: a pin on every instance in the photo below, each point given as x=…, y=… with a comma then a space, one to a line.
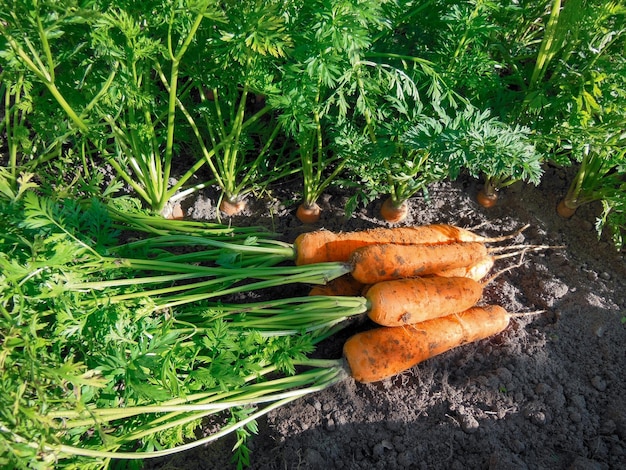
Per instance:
x=485, y=199
x=481, y=268
x=231, y=208
x=343, y=285
x=386, y=351
x=475, y=271
x=308, y=214
x=392, y=213
x=409, y=301
x=376, y=263
x=325, y=246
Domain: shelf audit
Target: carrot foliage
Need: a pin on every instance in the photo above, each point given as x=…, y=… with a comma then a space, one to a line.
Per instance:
x=75, y=275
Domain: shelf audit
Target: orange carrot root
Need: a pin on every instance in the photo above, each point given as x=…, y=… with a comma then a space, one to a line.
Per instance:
x=386, y=351
x=409, y=301
x=308, y=214
x=376, y=263
x=231, y=208
x=392, y=214
x=313, y=247
x=486, y=200
x=345, y=285
x=564, y=210
x=325, y=246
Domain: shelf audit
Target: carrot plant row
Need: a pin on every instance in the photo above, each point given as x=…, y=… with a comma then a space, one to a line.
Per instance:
x=386, y=98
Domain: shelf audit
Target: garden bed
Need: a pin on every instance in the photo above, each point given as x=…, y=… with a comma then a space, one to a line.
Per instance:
x=117, y=114
x=547, y=393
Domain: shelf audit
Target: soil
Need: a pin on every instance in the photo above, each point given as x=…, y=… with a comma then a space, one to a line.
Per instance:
x=548, y=393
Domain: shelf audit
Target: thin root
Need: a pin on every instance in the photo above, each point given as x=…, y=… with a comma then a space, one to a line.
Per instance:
x=497, y=249
x=506, y=237
x=524, y=314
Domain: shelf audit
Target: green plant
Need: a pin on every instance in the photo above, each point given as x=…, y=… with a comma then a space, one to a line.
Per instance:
x=166, y=359
x=601, y=176
x=560, y=59
x=232, y=138
x=29, y=134
x=233, y=123
x=329, y=87
x=502, y=154
x=404, y=159
x=99, y=64
x=30, y=31
x=144, y=123
x=17, y=137
x=409, y=156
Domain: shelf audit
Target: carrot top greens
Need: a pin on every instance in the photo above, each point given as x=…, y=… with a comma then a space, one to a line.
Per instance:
x=119, y=337
x=120, y=330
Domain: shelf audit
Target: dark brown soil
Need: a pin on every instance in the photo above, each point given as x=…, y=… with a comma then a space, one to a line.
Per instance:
x=548, y=393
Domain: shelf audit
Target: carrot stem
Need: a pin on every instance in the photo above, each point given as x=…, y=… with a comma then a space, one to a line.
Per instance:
x=280, y=316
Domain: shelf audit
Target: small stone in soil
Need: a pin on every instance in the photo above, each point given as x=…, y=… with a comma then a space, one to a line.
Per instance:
x=313, y=458
x=599, y=383
x=330, y=425
x=469, y=424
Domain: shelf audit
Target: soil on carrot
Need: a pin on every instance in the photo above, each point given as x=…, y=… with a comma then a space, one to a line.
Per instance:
x=549, y=392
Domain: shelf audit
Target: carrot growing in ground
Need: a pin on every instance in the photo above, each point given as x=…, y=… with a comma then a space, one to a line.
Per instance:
x=393, y=213
x=324, y=246
x=384, y=352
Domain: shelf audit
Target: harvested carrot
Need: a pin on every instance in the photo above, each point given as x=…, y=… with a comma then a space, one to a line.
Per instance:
x=475, y=271
x=325, y=246
x=344, y=285
x=386, y=351
x=409, y=301
x=376, y=263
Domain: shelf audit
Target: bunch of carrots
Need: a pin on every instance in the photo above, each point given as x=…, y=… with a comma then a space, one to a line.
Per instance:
x=422, y=285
